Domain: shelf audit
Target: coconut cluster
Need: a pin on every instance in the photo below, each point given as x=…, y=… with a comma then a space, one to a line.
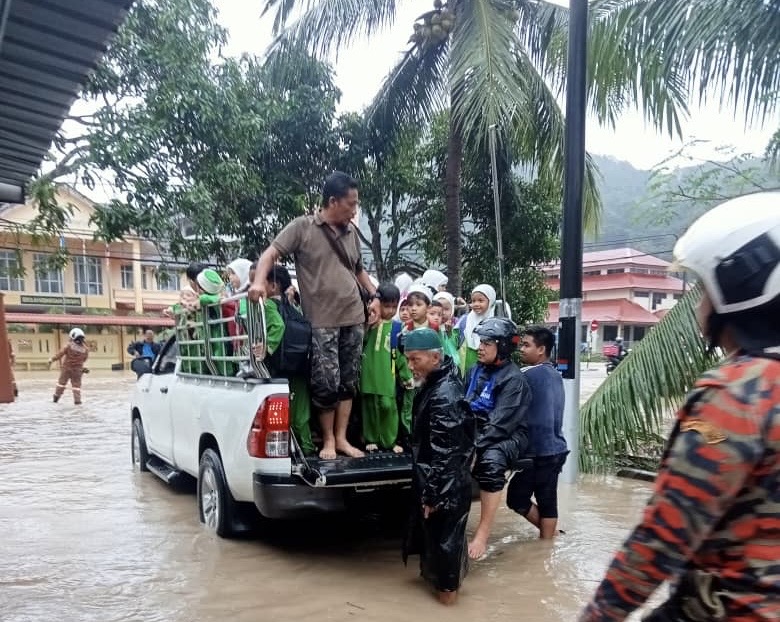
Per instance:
x=433, y=27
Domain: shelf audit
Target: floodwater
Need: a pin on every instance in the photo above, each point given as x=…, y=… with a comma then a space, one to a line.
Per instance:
x=83, y=537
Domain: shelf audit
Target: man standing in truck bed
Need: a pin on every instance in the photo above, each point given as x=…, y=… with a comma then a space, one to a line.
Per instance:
x=326, y=248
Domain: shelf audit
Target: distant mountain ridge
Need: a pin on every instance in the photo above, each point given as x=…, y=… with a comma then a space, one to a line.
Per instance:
x=632, y=217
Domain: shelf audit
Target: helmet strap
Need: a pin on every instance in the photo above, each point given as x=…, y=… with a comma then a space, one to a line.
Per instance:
x=715, y=327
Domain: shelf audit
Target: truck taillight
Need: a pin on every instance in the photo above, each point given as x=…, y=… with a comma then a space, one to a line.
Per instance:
x=269, y=436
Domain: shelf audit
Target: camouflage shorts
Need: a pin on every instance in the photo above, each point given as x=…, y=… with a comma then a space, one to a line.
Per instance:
x=335, y=364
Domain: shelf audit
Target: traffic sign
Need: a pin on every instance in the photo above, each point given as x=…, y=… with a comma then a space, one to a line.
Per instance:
x=594, y=325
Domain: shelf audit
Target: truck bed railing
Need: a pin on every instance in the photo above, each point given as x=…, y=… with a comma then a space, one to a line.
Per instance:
x=207, y=347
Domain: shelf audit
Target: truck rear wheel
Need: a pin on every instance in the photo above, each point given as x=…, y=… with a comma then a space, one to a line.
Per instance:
x=215, y=503
x=140, y=453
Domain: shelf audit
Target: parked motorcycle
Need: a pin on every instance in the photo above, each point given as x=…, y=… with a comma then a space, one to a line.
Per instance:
x=614, y=361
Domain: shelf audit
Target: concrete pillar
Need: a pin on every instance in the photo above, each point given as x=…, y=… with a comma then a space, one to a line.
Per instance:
x=137, y=277
x=6, y=388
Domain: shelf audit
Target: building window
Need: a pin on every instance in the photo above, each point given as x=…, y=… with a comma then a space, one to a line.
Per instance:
x=89, y=276
x=144, y=279
x=48, y=280
x=640, y=271
x=616, y=271
x=658, y=300
x=677, y=296
x=127, y=277
x=610, y=333
x=592, y=273
x=167, y=281
x=10, y=270
x=641, y=294
x=639, y=333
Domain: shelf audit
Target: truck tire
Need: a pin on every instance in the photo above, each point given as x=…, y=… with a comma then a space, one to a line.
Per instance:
x=216, y=507
x=138, y=450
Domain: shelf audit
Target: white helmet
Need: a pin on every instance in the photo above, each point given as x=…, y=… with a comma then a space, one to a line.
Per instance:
x=735, y=250
x=76, y=333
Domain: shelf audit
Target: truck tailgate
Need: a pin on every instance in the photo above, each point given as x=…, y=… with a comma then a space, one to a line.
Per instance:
x=373, y=469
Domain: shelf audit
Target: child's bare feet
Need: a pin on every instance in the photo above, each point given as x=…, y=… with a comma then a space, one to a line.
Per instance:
x=372, y=447
x=397, y=449
x=348, y=450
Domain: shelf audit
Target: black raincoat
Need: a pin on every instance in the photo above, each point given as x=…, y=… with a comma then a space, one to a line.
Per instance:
x=499, y=398
x=443, y=449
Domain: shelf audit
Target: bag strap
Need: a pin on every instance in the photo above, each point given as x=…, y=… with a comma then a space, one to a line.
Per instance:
x=342, y=255
x=338, y=248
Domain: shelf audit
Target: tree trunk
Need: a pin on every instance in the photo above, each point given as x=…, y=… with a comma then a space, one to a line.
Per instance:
x=452, y=208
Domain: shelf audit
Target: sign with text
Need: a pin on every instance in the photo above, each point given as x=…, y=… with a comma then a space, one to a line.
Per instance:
x=70, y=301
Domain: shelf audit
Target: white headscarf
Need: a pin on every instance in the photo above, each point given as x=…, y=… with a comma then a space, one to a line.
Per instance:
x=433, y=279
x=403, y=281
x=447, y=297
x=473, y=319
x=241, y=267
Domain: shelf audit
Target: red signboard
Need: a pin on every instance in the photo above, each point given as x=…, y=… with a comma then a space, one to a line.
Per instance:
x=594, y=325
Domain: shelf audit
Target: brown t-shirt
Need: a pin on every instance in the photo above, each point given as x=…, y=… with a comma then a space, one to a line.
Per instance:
x=329, y=293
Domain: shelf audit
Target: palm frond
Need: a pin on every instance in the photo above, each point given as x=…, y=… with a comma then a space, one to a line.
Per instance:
x=537, y=136
x=326, y=26
x=630, y=406
x=413, y=92
x=729, y=48
x=484, y=78
x=624, y=72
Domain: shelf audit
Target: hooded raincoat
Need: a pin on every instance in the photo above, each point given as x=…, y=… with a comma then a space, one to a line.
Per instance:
x=499, y=397
x=442, y=449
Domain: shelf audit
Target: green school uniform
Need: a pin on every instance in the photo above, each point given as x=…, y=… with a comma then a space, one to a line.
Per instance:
x=468, y=358
x=377, y=387
x=300, y=402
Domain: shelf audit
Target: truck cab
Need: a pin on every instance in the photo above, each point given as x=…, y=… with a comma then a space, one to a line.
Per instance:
x=209, y=409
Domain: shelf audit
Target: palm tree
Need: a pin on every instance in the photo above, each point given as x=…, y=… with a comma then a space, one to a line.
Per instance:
x=492, y=62
x=733, y=50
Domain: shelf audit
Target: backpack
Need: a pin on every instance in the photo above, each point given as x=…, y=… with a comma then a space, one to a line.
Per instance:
x=291, y=358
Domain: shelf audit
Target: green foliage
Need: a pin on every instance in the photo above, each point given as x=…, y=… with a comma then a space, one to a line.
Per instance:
x=209, y=156
x=530, y=218
x=625, y=415
x=391, y=175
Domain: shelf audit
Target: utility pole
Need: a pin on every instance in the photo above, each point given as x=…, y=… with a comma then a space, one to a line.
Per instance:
x=570, y=328
x=497, y=206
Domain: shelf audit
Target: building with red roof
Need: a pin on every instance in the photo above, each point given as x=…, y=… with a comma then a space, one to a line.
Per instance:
x=624, y=290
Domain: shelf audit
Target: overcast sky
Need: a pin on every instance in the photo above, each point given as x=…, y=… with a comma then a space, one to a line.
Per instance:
x=361, y=69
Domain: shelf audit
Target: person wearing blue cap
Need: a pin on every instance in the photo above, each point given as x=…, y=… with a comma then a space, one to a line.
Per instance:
x=442, y=449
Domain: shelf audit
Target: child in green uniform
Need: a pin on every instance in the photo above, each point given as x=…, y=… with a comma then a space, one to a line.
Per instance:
x=450, y=335
x=277, y=283
x=483, y=302
x=379, y=374
x=212, y=288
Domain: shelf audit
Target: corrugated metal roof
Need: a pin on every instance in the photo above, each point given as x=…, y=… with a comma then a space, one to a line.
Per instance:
x=47, y=49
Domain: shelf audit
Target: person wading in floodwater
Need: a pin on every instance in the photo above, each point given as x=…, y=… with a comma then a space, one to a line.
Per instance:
x=713, y=524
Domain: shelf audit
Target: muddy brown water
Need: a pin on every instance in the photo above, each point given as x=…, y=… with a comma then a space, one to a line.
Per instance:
x=83, y=538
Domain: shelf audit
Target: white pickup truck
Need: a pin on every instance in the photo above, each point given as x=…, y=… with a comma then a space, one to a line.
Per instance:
x=191, y=416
